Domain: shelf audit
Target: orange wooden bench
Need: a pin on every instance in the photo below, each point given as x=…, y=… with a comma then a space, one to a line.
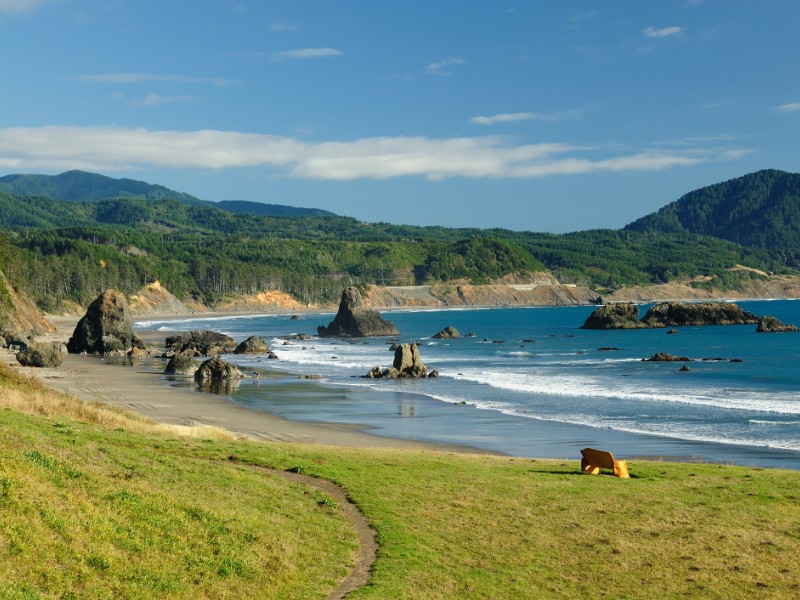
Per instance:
x=594, y=460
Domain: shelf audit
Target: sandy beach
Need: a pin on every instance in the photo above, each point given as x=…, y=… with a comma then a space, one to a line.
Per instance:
x=140, y=387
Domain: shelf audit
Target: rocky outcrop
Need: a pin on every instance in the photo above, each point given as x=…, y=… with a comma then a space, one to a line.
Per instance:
x=768, y=324
x=681, y=314
x=448, y=333
x=216, y=369
x=407, y=364
x=106, y=328
x=46, y=355
x=664, y=357
x=354, y=319
x=201, y=342
x=668, y=314
x=252, y=345
x=14, y=341
x=614, y=316
x=181, y=365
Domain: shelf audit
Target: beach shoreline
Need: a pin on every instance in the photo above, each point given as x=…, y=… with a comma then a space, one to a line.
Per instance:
x=142, y=388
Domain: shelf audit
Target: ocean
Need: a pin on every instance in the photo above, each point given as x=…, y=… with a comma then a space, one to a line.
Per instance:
x=531, y=383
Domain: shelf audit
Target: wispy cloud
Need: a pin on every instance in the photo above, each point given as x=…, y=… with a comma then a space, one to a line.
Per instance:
x=652, y=32
x=309, y=53
x=158, y=100
x=115, y=149
x=526, y=116
x=443, y=67
x=151, y=77
x=791, y=107
x=284, y=27
x=16, y=7
x=576, y=18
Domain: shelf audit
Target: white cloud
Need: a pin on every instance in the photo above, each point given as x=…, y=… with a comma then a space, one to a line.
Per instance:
x=309, y=53
x=16, y=7
x=151, y=77
x=652, y=32
x=442, y=67
x=114, y=149
x=525, y=116
x=791, y=107
x=158, y=100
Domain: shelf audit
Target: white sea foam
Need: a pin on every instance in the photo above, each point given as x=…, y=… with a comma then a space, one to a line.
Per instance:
x=549, y=384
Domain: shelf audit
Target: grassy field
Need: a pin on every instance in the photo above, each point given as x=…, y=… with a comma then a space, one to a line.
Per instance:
x=94, y=506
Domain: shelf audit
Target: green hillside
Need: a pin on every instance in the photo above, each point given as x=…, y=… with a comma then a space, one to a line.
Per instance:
x=80, y=186
x=760, y=209
x=71, y=251
x=273, y=210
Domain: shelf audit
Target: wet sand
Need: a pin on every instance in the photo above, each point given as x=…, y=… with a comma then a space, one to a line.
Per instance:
x=142, y=388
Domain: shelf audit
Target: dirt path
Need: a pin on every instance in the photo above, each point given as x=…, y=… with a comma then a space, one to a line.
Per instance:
x=368, y=547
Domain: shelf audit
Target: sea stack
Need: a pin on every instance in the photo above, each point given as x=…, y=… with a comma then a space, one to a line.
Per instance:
x=106, y=328
x=354, y=319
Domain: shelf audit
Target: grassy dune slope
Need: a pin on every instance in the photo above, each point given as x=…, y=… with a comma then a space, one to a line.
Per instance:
x=98, y=510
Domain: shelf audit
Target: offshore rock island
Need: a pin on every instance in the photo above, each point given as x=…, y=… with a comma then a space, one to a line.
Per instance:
x=668, y=314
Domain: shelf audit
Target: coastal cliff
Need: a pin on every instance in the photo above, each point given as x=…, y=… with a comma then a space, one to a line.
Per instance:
x=18, y=314
x=546, y=293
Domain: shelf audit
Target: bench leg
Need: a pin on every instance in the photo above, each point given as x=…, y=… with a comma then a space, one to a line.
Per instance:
x=589, y=468
x=621, y=469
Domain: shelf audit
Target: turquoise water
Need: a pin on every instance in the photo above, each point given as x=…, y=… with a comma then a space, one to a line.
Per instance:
x=535, y=384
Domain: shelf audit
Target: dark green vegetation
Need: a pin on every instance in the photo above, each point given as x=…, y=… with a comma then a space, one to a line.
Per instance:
x=70, y=251
x=80, y=186
x=760, y=209
x=95, y=511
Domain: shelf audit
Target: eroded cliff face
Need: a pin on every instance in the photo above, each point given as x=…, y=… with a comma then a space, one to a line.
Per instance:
x=262, y=301
x=18, y=314
x=775, y=286
x=155, y=299
x=546, y=293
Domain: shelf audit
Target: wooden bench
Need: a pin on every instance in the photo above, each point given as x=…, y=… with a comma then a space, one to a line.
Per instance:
x=594, y=460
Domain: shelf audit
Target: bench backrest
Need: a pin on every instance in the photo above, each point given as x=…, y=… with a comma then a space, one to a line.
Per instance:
x=600, y=458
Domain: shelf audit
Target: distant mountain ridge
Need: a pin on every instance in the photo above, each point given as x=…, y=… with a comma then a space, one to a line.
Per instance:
x=81, y=186
x=760, y=209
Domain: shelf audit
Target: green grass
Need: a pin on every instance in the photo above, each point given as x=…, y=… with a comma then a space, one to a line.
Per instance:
x=95, y=511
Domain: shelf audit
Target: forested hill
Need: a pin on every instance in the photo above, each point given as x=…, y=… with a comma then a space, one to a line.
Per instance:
x=80, y=186
x=270, y=210
x=761, y=209
x=63, y=252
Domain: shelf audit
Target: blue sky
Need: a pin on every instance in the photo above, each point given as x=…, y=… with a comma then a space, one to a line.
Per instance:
x=530, y=115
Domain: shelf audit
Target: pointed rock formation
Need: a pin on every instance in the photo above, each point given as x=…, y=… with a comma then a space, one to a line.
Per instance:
x=106, y=328
x=354, y=319
x=407, y=364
